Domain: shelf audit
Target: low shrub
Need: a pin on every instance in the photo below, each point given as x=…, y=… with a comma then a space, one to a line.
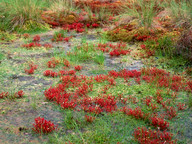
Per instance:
x=184, y=45
x=21, y=15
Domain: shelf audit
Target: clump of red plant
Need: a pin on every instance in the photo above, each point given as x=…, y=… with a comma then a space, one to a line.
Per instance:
x=32, y=68
x=26, y=35
x=60, y=37
x=42, y=126
x=66, y=63
x=141, y=37
x=79, y=27
x=36, y=38
x=52, y=63
x=171, y=112
x=35, y=43
x=147, y=52
x=148, y=136
x=4, y=95
x=78, y=68
x=114, y=49
x=49, y=73
x=136, y=113
x=18, y=94
x=181, y=106
x=48, y=45
x=31, y=45
x=89, y=119
x=161, y=78
x=159, y=122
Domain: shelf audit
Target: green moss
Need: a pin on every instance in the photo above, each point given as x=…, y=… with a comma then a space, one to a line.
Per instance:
x=1, y=56
x=5, y=36
x=33, y=26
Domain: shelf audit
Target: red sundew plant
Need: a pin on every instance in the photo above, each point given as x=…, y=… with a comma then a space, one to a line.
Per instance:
x=52, y=63
x=71, y=72
x=95, y=25
x=36, y=38
x=49, y=73
x=148, y=100
x=84, y=89
x=113, y=73
x=47, y=45
x=181, y=106
x=111, y=81
x=141, y=37
x=54, y=93
x=79, y=27
x=100, y=78
x=107, y=103
x=143, y=47
x=18, y=94
x=171, y=112
x=117, y=52
x=31, y=45
x=106, y=87
x=73, y=93
x=71, y=80
x=161, y=78
x=32, y=68
x=78, y=68
x=66, y=63
x=58, y=37
x=148, y=136
x=66, y=104
x=138, y=80
x=89, y=119
x=114, y=49
x=62, y=72
x=148, y=53
x=88, y=25
x=26, y=35
x=159, y=122
x=4, y=95
x=42, y=126
x=137, y=113
x=189, y=83
x=129, y=74
x=29, y=71
x=153, y=106
x=66, y=39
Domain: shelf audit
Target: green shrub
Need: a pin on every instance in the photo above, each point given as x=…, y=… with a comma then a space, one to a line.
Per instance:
x=1, y=56
x=21, y=14
x=142, y=9
x=184, y=45
x=166, y=45
x=63, y=7
x=181, y=11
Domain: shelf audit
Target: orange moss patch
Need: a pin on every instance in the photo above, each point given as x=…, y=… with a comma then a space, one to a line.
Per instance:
x=54, y=19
